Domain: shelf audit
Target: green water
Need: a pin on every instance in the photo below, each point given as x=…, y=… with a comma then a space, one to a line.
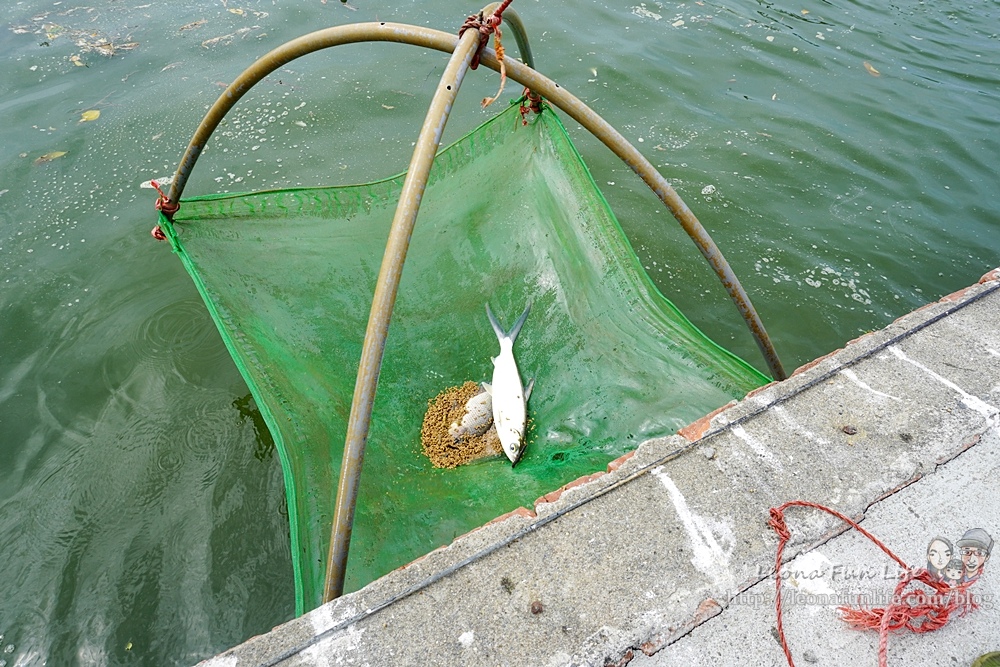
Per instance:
x=141, y=509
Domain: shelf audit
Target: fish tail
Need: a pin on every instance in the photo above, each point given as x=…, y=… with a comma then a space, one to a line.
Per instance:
x=497, y=329
x=514, y=330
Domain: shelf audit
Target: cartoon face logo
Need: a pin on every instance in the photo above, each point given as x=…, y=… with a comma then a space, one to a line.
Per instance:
x=974, y=549
x=954, y=571
x=974, y=560
x=939, y=553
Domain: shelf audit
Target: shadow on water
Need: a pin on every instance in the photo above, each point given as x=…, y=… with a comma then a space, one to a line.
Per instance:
x=247, y=408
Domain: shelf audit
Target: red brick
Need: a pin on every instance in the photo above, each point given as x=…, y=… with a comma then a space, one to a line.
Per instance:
x=991, y=276
x=553, y=496
x=806, y=366
x=618, y=462
x=520, y=511
x=695, y=430
x=760, y=389
x=955, y=296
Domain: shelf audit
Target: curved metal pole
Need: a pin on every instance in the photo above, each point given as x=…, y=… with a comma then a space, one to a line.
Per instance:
x=526, y=76
x=287, y=52
x=316, y=41
x=621, y=147
x=385, y=297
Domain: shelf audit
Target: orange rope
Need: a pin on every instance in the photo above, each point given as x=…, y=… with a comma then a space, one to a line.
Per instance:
x=503, y=70
x=916, y=610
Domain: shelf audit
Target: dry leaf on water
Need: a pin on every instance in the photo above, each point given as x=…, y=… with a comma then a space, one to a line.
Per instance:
x=192, y=25
x=49, y=157
x=91, y=114
x=872, y=70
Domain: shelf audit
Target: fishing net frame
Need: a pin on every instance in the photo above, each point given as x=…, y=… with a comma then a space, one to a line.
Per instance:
x=464, y=50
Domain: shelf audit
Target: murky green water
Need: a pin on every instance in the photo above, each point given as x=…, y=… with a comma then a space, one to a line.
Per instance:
x=141, y=510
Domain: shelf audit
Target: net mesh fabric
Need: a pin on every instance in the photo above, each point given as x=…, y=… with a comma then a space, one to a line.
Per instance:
x=510, y=215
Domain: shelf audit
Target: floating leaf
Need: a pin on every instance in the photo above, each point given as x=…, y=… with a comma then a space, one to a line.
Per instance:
x=872, y=70
x=805, y=11
x=76, y=61
x=192, y=25
x=49, y=157
x=236, y=10
x=92, y=114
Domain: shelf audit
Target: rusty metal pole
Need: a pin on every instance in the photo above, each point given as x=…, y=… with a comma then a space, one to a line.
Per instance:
x=385, y=297
x=316, y=41
x=600, y=128
x=284, y=54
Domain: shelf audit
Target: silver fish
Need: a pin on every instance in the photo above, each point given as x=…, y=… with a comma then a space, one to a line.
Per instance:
x=508, y=394
x=477, y=419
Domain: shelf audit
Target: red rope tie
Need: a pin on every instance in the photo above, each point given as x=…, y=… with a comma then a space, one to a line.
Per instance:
x=163, y=203
x=530, y=102
x=486, y=27
x=916, y=610
x=476, y=22
x=158, y=233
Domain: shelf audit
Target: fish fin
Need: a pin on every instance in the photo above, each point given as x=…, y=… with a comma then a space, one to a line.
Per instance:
x=527, y=390
x=516, y=329
x=497, y=329
x=488, y=387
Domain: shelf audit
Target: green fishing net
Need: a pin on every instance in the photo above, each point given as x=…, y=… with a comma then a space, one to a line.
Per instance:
x=510, y=215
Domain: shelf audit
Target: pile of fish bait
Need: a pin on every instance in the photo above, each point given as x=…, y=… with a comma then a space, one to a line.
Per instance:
x=471, y=422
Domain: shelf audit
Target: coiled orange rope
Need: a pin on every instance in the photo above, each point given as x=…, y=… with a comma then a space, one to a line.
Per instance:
x=916, y=610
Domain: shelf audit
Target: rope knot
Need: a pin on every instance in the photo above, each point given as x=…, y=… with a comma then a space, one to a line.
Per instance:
x=777, y=522
x=530, y=102
x=914, y=610
x=163, y=203
x=486, y=25
x=485, y=29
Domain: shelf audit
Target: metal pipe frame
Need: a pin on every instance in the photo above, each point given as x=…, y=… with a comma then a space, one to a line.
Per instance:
x=406, y=212
x=316, y=41
x=382, y=304
x=526, y=76
x=553, y=93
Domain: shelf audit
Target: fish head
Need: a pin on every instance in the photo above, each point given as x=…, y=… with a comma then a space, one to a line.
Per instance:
x=513, y=444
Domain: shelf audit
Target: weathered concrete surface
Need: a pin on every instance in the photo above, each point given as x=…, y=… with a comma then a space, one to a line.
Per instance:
x=656, y=557
x=947, y=502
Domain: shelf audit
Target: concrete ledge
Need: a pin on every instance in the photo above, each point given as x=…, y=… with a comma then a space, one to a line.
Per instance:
x=624, y=563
